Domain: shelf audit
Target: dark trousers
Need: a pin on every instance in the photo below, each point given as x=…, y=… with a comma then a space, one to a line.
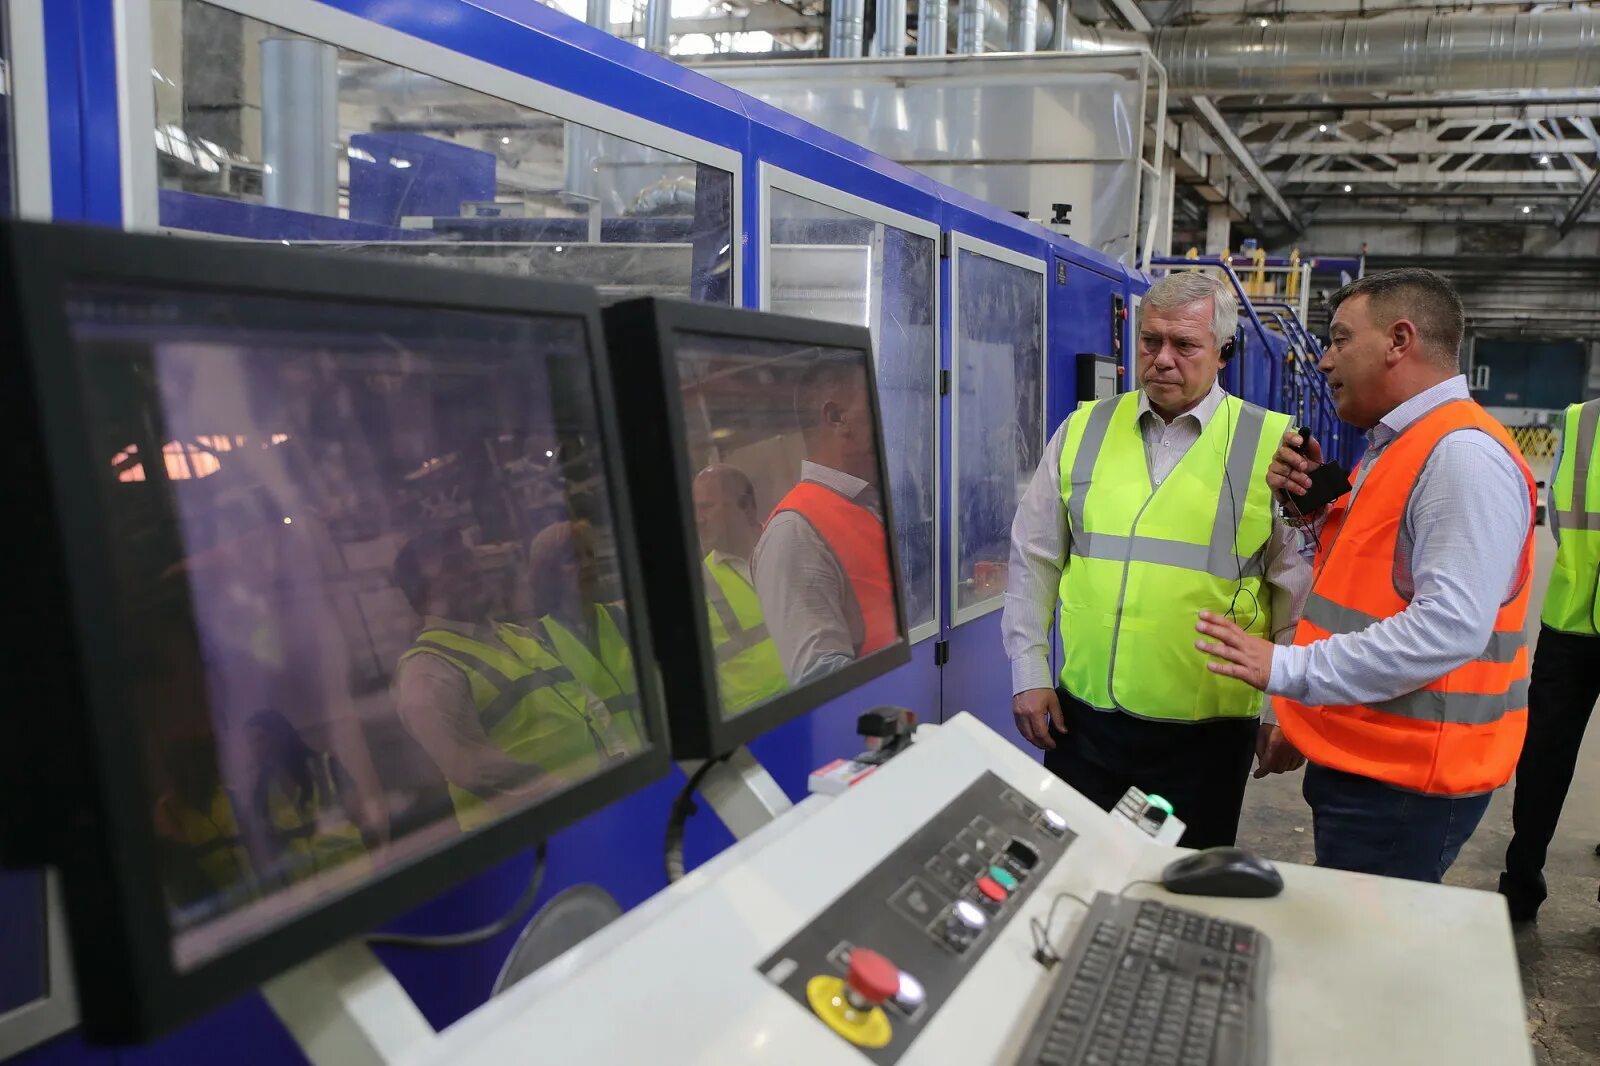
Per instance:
x=1561, y=695
x=1200, y=768
x=1372, y=828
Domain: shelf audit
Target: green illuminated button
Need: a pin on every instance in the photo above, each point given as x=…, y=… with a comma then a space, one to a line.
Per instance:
x=1158, y=801
x=1005, y=880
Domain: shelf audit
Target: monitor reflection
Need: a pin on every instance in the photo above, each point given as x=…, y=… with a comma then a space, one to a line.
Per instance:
x=789, y=510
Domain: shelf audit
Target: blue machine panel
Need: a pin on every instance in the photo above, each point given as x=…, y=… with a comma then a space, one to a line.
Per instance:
x=395, y=175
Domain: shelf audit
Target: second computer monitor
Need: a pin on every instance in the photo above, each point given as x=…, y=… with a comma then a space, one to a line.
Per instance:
x=759, y=441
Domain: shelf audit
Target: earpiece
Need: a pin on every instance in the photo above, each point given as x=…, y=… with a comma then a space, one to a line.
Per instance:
x=1226, y=351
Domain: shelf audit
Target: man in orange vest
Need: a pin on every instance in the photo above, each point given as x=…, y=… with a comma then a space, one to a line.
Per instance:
x=1407, y=685
x=821, y=566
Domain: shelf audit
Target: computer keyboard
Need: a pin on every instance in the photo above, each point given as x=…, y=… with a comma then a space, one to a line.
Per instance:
x=1145, y=984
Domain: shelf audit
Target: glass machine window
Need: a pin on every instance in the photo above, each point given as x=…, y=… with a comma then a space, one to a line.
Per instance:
x=999, y=415
x=828, y=263
x=266, y=134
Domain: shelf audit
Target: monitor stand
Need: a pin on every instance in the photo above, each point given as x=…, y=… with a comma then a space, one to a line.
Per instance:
x=344, y=1008
x=741, y=791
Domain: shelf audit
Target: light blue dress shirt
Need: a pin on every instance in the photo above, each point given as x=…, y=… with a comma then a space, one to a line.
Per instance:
x=1455, y=562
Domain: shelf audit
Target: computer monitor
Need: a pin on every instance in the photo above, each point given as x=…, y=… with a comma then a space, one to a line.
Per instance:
x=755, y=450
x=330, y=597
x=37, y=1000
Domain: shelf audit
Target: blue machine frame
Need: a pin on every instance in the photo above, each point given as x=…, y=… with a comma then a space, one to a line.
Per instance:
x=99, y=122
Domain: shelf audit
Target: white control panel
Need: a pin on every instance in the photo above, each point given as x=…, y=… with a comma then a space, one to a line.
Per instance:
x=1365, y=969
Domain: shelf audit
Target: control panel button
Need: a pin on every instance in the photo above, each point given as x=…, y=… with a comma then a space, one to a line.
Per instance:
x=1003, y=878
x=1021, y=804
x=871, y=976
x=917, y=901
x=966, y=914
x=1022, y=854
x=991, y=889
x=910, y=996
x=944, y=873
x=965, y=862
x=1053, y=822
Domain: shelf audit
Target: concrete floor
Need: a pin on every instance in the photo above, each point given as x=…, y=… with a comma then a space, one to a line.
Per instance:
x=1560, y=955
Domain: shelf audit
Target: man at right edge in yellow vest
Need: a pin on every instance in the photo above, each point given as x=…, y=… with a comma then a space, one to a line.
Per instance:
x=1406, y=688
x=1566, y=670
x=1147, y=508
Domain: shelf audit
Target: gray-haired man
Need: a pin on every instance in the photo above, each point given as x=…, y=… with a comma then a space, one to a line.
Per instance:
x=1147, y=509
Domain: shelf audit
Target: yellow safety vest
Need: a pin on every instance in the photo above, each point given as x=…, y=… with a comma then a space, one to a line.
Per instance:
x=211, y=843
x=314, y=831
x=1570, y=601
x=534, y=712
x=1146, y=560
x=749, y=668
x=607, y=672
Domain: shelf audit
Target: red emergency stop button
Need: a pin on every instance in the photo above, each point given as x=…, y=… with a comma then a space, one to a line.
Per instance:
x=991, y=888
x=872, y=977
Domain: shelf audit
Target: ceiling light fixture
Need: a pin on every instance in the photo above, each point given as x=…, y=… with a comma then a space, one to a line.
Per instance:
x=1322, y=128
x=1527, y=209
x=1347, y=188
x=1544, y=160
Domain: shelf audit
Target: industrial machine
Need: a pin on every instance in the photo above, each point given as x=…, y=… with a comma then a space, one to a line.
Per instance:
x=281, y=501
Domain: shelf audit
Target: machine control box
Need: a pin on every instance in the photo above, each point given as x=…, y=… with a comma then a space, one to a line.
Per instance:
x=931, y=908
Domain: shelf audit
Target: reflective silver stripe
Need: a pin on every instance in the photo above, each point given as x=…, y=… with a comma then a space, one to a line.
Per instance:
x=718, y=599
x=741, y=642
x=625, y=701
x=490, y=674
x=1587, y=420
x=510, y=696
x=1223, y=561
x=1457, y=708
x=1571, y=521
x=1177, y=553
x=1503, y=647
x=1218, y=558
x=1094, y=436
x=1325, y=614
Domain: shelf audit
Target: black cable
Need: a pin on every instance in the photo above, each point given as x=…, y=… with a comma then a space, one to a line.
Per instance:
x=1043, y=953
x=1233, y=509
x=473, y=936
x=682, y=808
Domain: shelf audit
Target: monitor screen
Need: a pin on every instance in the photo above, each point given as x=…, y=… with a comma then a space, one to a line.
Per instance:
x=783, y=447
x=24, y=959
x=367, y=576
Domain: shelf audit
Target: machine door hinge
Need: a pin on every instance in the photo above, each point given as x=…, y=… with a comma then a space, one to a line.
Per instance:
x=945, y=243
x=944, y=383
x=941, y=652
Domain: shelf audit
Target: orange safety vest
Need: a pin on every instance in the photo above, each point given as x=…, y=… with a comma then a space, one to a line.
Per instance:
x=1461, y=734
x=860, y=546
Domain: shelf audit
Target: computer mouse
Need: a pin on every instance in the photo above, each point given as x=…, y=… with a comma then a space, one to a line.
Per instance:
x=1231, y=872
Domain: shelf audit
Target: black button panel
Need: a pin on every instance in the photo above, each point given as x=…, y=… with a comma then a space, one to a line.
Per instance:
x=923, y=907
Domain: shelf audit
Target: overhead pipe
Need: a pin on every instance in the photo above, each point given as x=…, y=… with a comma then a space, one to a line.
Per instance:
x=658, y=26
x=846, y=27
x=889, y=36
x=933, y=27
x=1021, y=35
x=970, y=25
x=1443, y=53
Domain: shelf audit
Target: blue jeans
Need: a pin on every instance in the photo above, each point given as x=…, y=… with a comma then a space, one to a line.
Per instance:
x=1369, y=827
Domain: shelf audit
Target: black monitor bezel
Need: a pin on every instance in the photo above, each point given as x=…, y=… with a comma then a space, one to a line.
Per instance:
x=644, y=335
x=86, y=767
